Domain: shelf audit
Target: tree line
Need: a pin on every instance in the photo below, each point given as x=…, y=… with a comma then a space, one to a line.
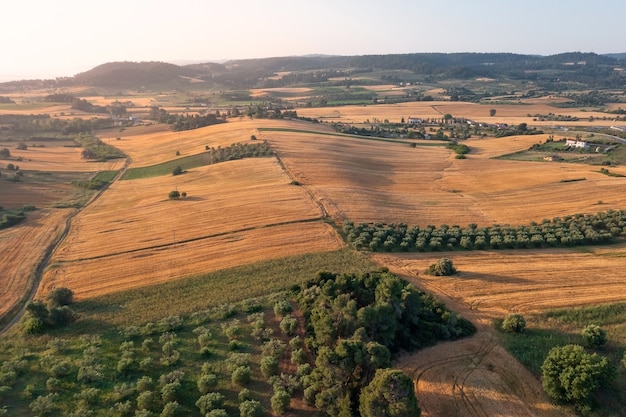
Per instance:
x=574, y=230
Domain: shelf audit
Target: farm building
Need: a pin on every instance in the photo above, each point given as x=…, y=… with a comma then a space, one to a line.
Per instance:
x=575, y=143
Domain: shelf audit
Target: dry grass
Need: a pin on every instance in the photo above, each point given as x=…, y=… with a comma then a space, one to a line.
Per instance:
x=370, y=181
x=20, y=250
x=59, y=158
x=510, y=114
x=459, y=378
x=236, y=213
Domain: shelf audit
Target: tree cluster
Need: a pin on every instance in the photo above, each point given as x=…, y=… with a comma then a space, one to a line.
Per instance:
x=56, y=313
x=240, y=151
x=354, y=324
x=577, y=229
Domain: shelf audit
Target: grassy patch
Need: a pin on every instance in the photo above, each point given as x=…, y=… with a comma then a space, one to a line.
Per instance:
x=560, y=327
x=203, y=291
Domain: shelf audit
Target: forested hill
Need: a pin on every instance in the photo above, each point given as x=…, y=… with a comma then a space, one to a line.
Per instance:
x=588, y=69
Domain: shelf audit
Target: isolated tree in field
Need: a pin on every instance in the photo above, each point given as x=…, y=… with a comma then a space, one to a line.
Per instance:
x=174, y=195
x=594, y=335
x=492, y=112
x=5, y=153
x=443, y=267
x=514, y=323
x=391, y=393
x=447, y=117
x=571, y=375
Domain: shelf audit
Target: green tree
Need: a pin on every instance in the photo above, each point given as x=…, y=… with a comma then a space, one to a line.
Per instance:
x=391, y=393
x=571, y=375
x=60, y=296
x=514, y=323
x=210, y=401
x=280, y=401
x=174, y=195
x=443, y=267
x=492, y=112
x=594, y=335
x=250, y=408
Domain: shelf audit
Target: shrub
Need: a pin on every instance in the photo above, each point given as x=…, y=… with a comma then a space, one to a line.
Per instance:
x=280, y=401
x=241, y=375
x=171, y=409
x=289, y=325
x=282, y=308
x=594, y=335
x=244, y=395
x=207, y=382
x=177, y=170
x=210, y=401
x=443, y=267
x=250, y=408
x=145, y=400
x=174, y=195
x=269, y=366
x=514, y=323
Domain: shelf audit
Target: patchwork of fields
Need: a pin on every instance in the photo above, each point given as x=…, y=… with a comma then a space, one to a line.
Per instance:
x=244, y=211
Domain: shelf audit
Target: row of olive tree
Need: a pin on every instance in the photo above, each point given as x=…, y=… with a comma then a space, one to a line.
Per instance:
x=578, y=229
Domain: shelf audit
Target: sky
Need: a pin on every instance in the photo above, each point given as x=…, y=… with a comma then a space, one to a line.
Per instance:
x=49, y=39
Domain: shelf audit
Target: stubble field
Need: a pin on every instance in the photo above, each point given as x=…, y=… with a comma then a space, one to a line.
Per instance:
x=243, y=211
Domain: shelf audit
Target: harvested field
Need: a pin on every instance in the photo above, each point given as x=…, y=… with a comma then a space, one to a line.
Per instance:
x=510, y=114
x=236, y=212
x=369, y=181
x=152, y=145
x=20, y=250
x=59, y=158
x=475, y=376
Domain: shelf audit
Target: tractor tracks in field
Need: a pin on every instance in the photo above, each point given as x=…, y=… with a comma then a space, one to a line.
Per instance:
x=44, y=261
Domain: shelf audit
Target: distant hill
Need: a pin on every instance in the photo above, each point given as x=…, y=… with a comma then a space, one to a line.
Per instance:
x=131, y=74
x=552, y=72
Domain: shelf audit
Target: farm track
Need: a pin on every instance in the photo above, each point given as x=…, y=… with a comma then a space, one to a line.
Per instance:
x=50, y=250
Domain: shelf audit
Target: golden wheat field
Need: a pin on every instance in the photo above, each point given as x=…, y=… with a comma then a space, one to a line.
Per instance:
x=20, y=250
x=509, y=114
x=371, y=181
x=235, y=213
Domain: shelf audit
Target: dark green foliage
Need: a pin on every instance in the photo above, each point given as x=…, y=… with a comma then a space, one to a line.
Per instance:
x=280, y=401
x=442, y=268
x=355, y=322
x=174, y=195
x=250, y=408
x=94, y=148
x=514, y=323
x=571, y=375
x=210, y=401
x=5, y=153
x=60, y=296
x=391, y=393
x=177, y=170
x=594, y=335
x=572, y=230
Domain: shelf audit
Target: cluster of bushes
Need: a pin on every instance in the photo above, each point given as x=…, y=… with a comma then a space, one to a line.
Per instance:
x=56, y=313
x=13, y=217
x=240, y=151
x=354, y=323
x=577, y=229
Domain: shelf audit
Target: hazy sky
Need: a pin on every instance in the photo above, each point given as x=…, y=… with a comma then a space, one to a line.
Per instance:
x=51, y=38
